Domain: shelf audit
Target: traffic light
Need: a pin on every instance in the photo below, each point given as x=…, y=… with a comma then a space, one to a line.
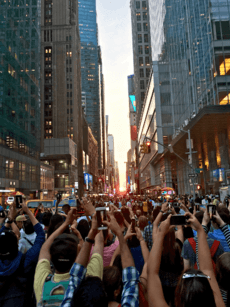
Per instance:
x=148, y=147
x=142, y=148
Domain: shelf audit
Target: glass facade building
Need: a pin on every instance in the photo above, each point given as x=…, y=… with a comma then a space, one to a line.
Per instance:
x=191, y=88
x=20, y=93
x=89, y=67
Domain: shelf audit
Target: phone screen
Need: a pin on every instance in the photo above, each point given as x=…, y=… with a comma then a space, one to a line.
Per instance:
x=178, y=220
x=101, y=217
x=18, y=201
x=211, y=211
x=133, y=225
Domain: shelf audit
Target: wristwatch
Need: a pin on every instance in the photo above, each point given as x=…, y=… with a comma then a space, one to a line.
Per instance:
x=8, y=221
x=162, y=211
x=89, y=240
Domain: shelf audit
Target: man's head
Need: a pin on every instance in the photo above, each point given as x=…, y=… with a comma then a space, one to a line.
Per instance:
x=90, y=293
x=138, y=212
x=19, y=221
x=8, y=245
x=28, y=227
x=63, y=252
x=46, y=218
x=66, y=208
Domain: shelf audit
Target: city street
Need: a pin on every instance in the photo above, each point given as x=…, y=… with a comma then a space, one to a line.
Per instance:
x=114, y=153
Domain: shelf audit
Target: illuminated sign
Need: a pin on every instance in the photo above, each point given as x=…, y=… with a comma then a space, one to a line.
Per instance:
x=133, y=101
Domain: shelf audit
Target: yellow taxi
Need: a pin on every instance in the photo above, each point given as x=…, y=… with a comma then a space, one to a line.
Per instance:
x=33, y=204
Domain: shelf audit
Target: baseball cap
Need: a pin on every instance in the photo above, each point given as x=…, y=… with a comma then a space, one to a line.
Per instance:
x=21, y=218
x=1, y=208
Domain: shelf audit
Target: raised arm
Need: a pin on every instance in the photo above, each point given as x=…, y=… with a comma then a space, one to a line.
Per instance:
x=205, y=261
x=155, y=291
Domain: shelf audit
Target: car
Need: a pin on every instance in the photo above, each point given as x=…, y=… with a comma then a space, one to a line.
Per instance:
x=34, y=203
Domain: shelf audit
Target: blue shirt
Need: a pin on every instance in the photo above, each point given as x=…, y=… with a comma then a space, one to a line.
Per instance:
x=130, y=278
x=217, y=234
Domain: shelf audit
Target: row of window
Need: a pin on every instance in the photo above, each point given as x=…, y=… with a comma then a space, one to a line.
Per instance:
x=144, y=5
x=141, y=61
x=48, y=12
x=48, y=92
x=144, y=16
x=145, y=27
x=142, y=72
x=48, y=36
x=140, y=49
x=140, y=38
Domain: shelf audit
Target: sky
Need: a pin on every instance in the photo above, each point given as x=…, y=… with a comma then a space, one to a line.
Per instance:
x=115, y=39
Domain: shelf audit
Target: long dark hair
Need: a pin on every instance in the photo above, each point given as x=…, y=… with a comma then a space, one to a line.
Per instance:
x=194, y=291
x=223, y=273
x=171, y=260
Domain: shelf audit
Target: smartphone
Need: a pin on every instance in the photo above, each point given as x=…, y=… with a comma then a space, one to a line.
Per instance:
x=197, y=207
x=18, y=201
x=179, y=220
x=2, y=214
x=133, y=225
x=211, y=211
x=101, y=217
x=78, y=205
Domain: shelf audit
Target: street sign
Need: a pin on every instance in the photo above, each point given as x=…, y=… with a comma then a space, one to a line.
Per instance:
x=192, y=175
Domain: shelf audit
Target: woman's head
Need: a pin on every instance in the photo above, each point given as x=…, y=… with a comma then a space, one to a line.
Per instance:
x=193, y=289
x=223, y=271
x=55, y=220
x=143, y=222
x=112, y=282
x=171, y=260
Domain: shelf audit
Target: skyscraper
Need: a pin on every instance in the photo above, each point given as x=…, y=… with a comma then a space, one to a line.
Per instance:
x=61, y=92
x=91, y=72
x=141, y=50
x=20, y=95
x=188, y=96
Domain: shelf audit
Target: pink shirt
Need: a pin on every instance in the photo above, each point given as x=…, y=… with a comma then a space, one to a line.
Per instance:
x=108, y=253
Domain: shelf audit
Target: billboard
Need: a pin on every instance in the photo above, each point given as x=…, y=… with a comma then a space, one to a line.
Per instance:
x=88, y=181
x=133, y=102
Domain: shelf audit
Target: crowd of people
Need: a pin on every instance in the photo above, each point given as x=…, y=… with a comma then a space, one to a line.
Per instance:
x=141, y=257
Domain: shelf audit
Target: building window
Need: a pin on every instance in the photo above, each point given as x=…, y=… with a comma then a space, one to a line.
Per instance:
x=145, y=16
x=138, y=16
x=139, y=27
x=142, y=84
x=144, y=5
x=141, y=73
x=146, y=49
x=147, y=72
x=145, y=27
x=140, y=61
x=140, y=49
x=139, y=38
x=146, y=38
x=142, y=96
x=138, y=5
x=147, y=60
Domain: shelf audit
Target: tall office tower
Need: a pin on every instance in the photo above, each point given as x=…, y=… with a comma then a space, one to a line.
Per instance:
x=89, y=69
x=20, y=96
x=102, y=151
x=133, y=133
x=190, y=84
x=141, y=50
x=61, y=93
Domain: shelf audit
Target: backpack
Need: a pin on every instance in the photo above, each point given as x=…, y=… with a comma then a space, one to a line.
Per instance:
x=50, y=299
x=213, y=250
